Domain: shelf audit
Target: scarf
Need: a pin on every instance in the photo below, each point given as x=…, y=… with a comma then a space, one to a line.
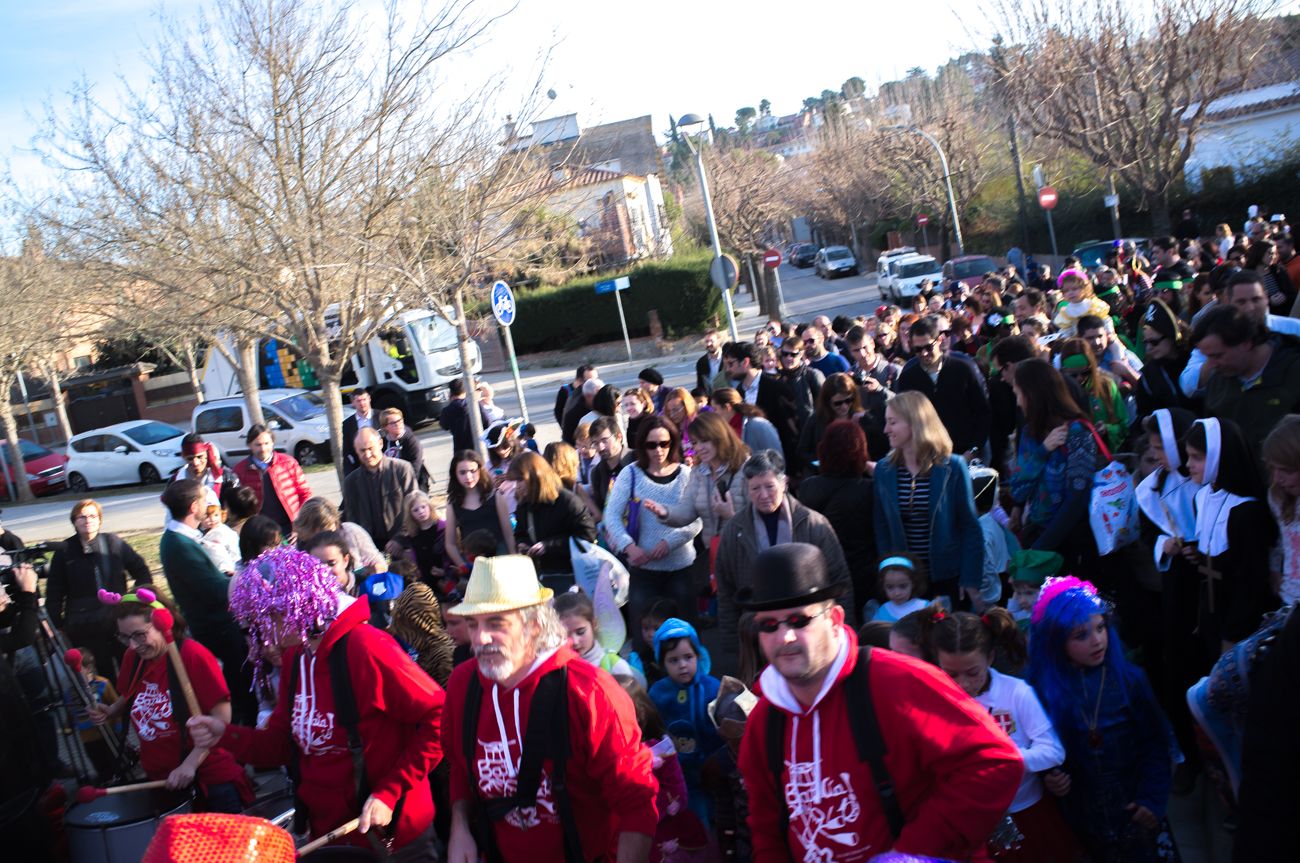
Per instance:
x=784, y=530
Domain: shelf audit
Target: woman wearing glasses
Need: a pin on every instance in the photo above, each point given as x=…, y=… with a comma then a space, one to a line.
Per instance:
x=839, y=399
x=86, y=562
x=1167, y=350
x=157, y=707
x=660, y=557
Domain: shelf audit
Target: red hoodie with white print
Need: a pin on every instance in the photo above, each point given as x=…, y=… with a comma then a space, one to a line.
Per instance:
x=954, y=771
x=610, y=775
x=399, y=709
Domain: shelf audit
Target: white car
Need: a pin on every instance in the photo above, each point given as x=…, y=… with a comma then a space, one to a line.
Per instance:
x=906, y=275
x=296, y=416
x=144, y=451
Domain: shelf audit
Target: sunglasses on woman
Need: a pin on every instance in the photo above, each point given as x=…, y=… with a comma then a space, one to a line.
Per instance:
x=658, y=444
x=794, y=621
x=839, y=403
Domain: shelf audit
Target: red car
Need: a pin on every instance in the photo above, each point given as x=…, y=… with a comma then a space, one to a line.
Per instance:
x=969, y=270
x=46, y=471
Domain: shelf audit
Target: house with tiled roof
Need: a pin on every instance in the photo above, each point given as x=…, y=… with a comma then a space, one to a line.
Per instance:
x=606, y=178
x=1252, y=126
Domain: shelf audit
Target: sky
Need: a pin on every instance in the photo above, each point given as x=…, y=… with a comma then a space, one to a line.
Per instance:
x=606, y=61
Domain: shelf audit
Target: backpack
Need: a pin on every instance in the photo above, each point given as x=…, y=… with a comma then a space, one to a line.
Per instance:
x=547, y=734
x=345, y=711
x=866, y=735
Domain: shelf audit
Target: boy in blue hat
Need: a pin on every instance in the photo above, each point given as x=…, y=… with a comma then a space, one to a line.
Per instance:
x=682, y=699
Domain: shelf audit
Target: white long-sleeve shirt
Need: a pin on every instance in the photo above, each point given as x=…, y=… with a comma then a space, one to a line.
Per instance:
x=681, y=552
x=1016, y=709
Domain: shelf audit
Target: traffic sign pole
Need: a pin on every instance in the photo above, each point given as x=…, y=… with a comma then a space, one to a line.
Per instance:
x=503, y=309
x=616, y=287
x=772, y=261
x=514, y=371
x=627, y=342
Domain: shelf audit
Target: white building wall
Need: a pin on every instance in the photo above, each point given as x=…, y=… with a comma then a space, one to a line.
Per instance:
x=1245, y=143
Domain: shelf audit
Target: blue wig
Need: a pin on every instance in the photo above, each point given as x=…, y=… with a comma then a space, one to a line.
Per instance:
x=1050, y=669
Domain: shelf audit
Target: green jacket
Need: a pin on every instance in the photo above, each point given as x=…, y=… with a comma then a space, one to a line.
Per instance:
x=199, y=587
x=1259, y=405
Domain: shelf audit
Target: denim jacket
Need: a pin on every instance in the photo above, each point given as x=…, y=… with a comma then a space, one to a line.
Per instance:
x=956, y=541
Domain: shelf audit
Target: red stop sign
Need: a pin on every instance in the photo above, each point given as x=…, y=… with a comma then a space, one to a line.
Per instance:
x=1047, y=198
x=772, y=259
x=923, y=220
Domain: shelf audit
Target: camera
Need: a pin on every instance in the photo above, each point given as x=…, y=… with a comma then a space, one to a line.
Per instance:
x=34, y=554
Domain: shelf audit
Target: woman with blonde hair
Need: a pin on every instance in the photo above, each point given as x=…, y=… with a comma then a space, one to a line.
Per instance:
x=680, y=408
x=422, y=539
x=636, y=405
x=1281, y=452
x=547, y=516
x=924, y=504
x=717, y=488
x=563, y=459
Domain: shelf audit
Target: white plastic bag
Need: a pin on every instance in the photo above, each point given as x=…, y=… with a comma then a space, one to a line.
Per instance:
x=1112, y=507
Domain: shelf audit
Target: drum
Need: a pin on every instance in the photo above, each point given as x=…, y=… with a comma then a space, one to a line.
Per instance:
x=270, y=783
x=117, y=828
x=277, y=809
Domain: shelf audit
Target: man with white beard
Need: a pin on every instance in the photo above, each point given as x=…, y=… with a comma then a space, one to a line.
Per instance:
x=547, y=762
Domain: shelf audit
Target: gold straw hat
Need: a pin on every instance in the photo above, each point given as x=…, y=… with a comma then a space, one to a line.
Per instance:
x=503, y=583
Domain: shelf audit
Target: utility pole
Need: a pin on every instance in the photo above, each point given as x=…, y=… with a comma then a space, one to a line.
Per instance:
x=1020, y=183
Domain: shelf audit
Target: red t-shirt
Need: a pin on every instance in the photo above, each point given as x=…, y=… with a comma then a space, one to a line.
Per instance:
x=151, y=712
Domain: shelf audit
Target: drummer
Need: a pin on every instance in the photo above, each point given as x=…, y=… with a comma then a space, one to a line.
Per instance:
x=151, y=692
x=342, y=680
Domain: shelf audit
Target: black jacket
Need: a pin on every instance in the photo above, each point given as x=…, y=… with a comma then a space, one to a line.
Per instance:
x=959, y=397
x=350, y=430
x=776, y=401
x=408, y=449
x=455, y=419
x=552, y=524
x=703, y=379
x=806, y=385
x=562, y=401
x=72, y=589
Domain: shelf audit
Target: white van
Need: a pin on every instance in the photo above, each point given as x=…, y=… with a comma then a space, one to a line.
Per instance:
x=296, y=416
x=906, y=275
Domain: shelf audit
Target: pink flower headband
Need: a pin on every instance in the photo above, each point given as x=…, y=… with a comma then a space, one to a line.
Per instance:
x=1053, y=588
x=142, y=595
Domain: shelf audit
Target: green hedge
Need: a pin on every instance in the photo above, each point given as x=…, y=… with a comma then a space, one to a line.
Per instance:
x=563, y=317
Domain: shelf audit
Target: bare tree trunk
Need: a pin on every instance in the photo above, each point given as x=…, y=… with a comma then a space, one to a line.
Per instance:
x=332, y=393
x=56, y=392
x=471, y=391
x=246, y=369
x=190, y=359
x=1161, y=223
x=17, y=473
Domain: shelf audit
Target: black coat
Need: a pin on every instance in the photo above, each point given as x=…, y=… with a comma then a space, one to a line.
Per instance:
x=72, y=590
x=350, y=430
x=408, y=449
x=959, y=397
x=455, y=419
x=704, y=380
x=776, y=401
x=552, y=524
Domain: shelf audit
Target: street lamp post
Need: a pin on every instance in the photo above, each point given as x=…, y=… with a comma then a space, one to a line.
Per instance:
x=696, y=120
x=947, y=180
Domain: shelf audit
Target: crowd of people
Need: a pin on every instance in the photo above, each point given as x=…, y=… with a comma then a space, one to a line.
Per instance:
x=855, y=592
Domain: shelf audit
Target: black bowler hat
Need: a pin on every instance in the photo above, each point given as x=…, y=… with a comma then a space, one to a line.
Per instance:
x=788, y=576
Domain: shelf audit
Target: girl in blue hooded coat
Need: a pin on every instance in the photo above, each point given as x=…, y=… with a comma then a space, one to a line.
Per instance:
x=682, y=699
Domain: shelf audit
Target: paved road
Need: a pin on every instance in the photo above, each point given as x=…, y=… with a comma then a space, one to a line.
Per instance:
x=805, y=295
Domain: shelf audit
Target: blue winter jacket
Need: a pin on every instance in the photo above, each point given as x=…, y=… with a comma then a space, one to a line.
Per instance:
x=956, y=541
x=685, y=709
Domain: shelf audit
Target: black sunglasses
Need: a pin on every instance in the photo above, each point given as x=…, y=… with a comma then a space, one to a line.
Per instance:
x=839, y=403
x=794, y=621
x=658, y=444
x=790, y=353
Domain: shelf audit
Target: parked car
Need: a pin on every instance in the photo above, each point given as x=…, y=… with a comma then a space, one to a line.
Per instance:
x=803, y=255
x=1093, y=253
x=835, y=261
x=969, y=269
x=296, y=416
x=882, y=264
x=46, y=469
x=905, y=275
x=144, y=451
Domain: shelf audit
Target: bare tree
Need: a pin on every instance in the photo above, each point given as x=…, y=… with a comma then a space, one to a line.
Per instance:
x=1126, y=84
x=24, y=334
x=265, y=173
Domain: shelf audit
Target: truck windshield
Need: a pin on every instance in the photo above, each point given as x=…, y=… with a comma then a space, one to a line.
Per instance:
x=302, y=406
x=432, y=334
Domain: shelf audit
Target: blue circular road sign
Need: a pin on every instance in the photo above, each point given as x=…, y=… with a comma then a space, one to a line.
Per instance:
x=503, y=304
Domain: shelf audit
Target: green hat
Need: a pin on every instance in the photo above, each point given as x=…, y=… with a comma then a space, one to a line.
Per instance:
x=1032, y=566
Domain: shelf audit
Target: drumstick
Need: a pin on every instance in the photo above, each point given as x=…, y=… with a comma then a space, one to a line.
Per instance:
x=329, y=837
x=163, y=620
x=87, y=793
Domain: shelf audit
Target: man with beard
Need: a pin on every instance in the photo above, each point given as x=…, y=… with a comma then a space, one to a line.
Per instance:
x=546, y=756
x=854, y=752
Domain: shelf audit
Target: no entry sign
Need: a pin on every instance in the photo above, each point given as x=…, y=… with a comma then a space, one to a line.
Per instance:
x=1047, y=198
x=771, y=259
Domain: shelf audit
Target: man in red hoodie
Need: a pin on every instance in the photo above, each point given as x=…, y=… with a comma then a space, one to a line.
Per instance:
x=349, y=695
x=521, y=788
x=907, y=762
